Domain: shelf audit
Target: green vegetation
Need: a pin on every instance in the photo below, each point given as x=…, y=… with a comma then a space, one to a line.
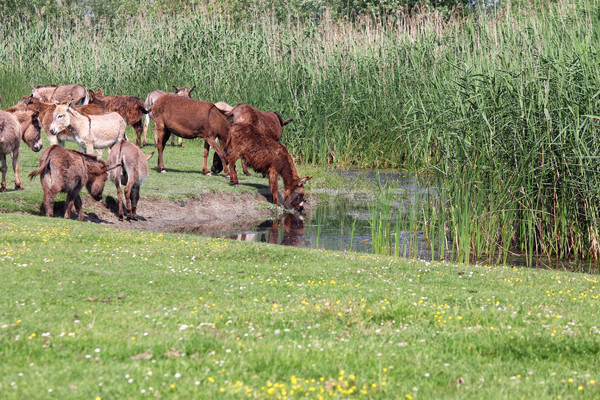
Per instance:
x=93, y=312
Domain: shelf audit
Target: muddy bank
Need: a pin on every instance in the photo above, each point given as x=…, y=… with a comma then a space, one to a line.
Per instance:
x=205, y=213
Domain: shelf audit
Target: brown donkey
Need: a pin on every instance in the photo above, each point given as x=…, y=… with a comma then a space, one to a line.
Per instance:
x=63, y=170
x=54, y=93
x=132, y=173
x=131, y=109
x=151, y=98
x=188, y=119
x=269, y=123
x=14, y=127
x=266, y=155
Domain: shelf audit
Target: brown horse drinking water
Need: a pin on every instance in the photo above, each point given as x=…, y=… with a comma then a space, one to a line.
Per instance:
x=188, y=119
x=266, y=155
x=59, y=94
x=151, y=98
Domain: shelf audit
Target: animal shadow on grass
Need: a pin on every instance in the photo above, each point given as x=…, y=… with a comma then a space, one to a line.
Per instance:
x=113, y=205
x=59, y=212
x=198, y=171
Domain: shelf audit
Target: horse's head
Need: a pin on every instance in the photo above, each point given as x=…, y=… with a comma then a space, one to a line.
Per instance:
x=97, y=175
x=61, y=118
x=294, y=197
x=30, y=127
x=183, y=91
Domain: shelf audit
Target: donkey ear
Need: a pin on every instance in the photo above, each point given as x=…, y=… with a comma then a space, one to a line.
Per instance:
x=193, y=87
x=31, y=84
x=175, y=88
x=149, y=156
x=99, y=92
x=71, y=103
x=303, y=181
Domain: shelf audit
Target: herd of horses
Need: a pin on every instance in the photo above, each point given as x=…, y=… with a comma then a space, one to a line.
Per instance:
x=96, y=122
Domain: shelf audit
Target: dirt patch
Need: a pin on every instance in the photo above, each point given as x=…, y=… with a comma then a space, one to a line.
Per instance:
x=209, y=212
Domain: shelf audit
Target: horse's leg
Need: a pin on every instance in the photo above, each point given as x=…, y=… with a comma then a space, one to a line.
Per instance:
x=69, y=202
x=49, y=196
x=15, y=163
x=212, y=142
x=205, y=158
x=79, y=207
x=119, y=197
x=135, y=197
x=245, y=167
x=138, y=131
x=146, y=124
x=273, y=183
x=161, y=135
x=130, y=182
x=230, y=160
x=3, y=168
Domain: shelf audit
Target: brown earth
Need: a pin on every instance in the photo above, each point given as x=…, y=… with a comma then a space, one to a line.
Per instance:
x=206, y=213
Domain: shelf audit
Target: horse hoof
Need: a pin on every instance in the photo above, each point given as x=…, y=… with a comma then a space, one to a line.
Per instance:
x=120, y=218
x=18, y=187
x=3, y=189
x=132, y=217
x=163, y=171
x=209, y=174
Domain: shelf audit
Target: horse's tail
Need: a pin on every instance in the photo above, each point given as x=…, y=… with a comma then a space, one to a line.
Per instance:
x=43, y=164
x=281, y=121
x=143, y=109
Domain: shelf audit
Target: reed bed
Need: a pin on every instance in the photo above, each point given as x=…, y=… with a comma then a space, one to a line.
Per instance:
x=499, y=108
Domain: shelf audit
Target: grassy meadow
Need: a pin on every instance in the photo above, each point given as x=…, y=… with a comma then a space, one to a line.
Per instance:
x=90, y=312
x=497, y=110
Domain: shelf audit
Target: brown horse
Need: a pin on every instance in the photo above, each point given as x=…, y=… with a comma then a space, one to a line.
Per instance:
x=269, y=123
x=151, y=98
x=14, y=127
x=266, y=155
x=59, y=94
x=188, y=119
x=63, y=170
x=131, y=109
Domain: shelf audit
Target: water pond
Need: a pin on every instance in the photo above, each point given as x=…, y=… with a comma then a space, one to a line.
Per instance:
x=344, y=223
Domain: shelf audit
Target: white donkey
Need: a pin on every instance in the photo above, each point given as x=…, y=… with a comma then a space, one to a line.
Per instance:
x=89, y=131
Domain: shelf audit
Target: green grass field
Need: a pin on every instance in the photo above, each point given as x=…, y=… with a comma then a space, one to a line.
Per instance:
x=91, y=312
x=498, y=110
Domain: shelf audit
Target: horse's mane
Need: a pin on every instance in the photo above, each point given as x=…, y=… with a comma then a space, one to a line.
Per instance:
x=44, y=86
